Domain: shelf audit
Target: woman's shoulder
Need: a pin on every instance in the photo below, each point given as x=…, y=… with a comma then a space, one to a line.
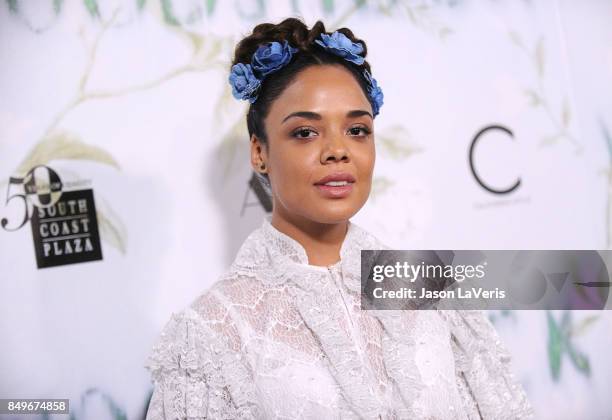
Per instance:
x=185, y=342
x=198, y=341
x=227, y=307
x=199, y=370
x=231, y=291
x=206, y=324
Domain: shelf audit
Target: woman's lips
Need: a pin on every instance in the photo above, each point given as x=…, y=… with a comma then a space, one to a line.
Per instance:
x=339, y=191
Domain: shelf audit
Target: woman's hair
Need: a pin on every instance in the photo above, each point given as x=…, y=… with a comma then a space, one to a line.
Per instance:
x=297, y=34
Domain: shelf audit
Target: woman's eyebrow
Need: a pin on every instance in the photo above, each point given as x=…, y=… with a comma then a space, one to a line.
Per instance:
x=314, y=116
x=304, y=114
x=358, y=113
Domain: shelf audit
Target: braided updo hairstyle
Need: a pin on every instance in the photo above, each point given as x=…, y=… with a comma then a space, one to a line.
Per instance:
x=297, y=34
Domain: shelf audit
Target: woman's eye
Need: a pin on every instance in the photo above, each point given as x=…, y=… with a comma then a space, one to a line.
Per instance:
x=303, y=133
x=359, y=131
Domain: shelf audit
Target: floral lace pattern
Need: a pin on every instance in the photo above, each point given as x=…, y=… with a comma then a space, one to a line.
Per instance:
x=277, y=338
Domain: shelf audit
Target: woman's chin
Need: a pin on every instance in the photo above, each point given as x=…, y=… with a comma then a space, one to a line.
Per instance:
x=335, y=211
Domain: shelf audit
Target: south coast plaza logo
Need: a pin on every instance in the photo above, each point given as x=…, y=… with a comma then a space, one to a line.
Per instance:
x=63, y=219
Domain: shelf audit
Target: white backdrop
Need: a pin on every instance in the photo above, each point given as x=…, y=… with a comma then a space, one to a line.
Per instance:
x=131, y=99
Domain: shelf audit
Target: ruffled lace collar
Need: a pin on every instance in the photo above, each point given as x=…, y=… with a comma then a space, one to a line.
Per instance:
x=276, y=257
x=293, y=250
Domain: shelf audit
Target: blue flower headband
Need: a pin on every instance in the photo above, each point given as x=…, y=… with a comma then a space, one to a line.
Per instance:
x=246, y=79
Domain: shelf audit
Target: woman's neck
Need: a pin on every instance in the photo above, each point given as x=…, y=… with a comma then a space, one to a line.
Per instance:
x=321, y=241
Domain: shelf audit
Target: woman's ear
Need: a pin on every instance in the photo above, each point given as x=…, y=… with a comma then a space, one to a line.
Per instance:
x=258, y=155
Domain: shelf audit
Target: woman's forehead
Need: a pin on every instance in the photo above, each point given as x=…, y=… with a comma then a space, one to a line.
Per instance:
x=324, y=89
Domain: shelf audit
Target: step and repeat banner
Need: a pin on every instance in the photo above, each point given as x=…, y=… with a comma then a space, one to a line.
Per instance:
x=126, y=188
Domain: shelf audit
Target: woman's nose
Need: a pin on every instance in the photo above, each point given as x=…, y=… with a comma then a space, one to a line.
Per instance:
x=335, y=149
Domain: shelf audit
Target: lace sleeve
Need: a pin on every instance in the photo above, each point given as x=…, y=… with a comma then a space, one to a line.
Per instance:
x=196, y=374
x=483, y=368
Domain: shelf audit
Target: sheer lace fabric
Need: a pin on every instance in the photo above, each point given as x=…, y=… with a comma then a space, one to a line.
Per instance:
x=277, y=338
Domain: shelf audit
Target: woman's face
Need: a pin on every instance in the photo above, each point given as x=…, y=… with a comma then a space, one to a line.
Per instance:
x=320, y=126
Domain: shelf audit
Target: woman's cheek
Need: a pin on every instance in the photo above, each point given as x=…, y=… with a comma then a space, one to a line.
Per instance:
x=290, y=182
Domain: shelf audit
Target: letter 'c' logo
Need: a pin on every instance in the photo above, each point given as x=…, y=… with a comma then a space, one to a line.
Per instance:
x=473, y=168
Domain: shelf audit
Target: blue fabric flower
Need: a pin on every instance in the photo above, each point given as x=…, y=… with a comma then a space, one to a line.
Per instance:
x=375, y=92
x=246, y=79
x=339, y=44
x=244, y=83
x=272, y=57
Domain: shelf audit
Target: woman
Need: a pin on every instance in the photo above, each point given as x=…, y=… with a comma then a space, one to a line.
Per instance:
x=281, y=334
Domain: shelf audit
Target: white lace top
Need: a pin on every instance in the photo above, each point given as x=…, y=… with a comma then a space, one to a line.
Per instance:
x=277, y=338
